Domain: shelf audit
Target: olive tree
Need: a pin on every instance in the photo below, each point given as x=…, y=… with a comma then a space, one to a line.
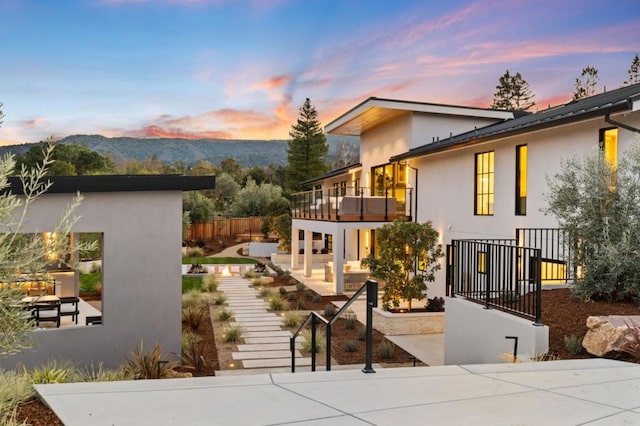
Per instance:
x=599, y=206
x=406, y=259
x=24, y=253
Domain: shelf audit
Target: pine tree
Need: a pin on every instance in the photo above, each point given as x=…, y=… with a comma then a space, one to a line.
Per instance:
x=308, y=148
x=633, y=71
x=512, y=93
x=586, y=83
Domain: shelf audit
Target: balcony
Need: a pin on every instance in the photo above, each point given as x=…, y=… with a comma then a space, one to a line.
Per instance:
x=349, y=204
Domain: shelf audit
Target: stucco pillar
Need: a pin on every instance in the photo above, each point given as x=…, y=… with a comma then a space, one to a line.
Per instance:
x=295, y=248
x=338, y=262
x=308, y=249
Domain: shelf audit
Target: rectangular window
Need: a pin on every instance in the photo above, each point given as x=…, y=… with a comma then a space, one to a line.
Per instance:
x=521, y=180
x=484, y=184
x=609, y=146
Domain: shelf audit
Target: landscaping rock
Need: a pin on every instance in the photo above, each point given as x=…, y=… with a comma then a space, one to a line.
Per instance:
x=608, y=334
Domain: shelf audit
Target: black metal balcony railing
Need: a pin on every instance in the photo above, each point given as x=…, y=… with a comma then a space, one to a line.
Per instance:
x=501, y=275
x=352, y=204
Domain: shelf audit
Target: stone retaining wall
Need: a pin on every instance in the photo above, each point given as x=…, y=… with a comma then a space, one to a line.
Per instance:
x=408, y=323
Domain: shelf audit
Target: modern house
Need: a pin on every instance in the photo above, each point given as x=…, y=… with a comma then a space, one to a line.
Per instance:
x=140, y=219
x=480, y=176
x=475, y=173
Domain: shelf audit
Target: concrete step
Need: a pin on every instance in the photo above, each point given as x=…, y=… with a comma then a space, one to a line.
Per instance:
x=261, y=328
x=276, y=322
x=264, y=355
x=274, y=362
x=253, y=334
x=261, y=340
x=267, y=347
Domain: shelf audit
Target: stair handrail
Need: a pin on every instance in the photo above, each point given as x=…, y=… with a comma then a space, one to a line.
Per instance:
x=371, y=286
x=313, y=317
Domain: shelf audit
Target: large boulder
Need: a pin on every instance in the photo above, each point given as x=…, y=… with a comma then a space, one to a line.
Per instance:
x=607, y=334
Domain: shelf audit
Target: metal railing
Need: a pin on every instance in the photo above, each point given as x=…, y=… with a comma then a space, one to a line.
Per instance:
x=557, y=251
x=504, y=276
x=326, y=204
x=371, y=287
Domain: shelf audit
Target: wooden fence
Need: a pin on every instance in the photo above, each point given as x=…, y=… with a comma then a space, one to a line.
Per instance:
x=226, y=227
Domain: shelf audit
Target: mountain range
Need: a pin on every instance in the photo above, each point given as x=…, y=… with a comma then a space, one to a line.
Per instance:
x=248, y=153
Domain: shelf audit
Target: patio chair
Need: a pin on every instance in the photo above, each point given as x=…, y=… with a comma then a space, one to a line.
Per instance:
x=93, y=320
x=69, y=307
x=47, y=311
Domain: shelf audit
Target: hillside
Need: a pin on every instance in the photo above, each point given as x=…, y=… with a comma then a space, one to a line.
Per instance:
x=247, y=152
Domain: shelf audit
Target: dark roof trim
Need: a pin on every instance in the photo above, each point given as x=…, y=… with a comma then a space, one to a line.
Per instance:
x=121, y=183
x=332, y=173
x=584, y=109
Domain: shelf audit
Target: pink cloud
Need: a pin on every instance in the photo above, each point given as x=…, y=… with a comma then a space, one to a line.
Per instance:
x=275, y=82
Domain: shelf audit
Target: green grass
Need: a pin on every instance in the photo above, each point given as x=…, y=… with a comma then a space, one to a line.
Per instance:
x=89, y=281
x=218, y=260
x=191, y=283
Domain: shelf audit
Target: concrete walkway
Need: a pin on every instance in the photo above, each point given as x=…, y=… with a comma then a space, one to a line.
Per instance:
x=594, y=392
x=266, y=344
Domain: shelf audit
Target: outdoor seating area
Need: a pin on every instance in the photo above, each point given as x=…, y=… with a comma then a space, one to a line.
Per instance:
x=51, y=311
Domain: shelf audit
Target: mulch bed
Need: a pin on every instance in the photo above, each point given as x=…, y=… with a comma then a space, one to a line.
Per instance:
x=567, y=316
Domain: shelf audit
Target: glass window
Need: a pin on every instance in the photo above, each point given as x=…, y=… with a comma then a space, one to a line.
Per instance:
x=521, y=180
x=484, y=194
x=609, y=146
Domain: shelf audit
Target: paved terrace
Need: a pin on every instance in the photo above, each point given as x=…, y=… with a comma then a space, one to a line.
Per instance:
x=574, y=392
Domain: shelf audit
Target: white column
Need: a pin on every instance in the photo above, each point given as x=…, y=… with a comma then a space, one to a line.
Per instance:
x=338, y=261
x=308, y=247
x=295, y=248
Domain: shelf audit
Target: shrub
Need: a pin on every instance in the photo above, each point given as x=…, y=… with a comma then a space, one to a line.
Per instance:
x=277, y=304
x=249, y=274
x=291, y=319
x=350, y=346
x=291, y=296
x=329, y=310
x=220, y=299
x=385, y=350
x=266, y=292
x=435, y=305
x=210, y=283
x=309, y=294
x=53, y=372
x=316, y=298
x=573, y=344
x=256, y=282
x=632, y=346
x=193, y=351
x=91, y=374
x=192, y=315
x=300, y=286
x=321, y=341
x=224, y=315
x=362, y=334
x=301, y=304
x=232, y=334
x=350, y=321
x=15, y=388
x=282, y=290
x=195, y=252
x=148, y=365
x=293, y=281
x=192, y=298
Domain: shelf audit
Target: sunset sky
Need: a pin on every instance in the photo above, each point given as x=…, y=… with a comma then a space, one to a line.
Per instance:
x=241, y=69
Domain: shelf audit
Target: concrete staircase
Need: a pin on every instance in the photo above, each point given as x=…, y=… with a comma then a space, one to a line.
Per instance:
x=266, y=344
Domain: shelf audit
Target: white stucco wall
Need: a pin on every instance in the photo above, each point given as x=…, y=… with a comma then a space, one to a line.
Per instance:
x=475, y=335
x=446, y=183
x=141, y=277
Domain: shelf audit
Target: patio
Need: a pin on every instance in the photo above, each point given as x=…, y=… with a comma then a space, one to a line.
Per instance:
x=574, y=392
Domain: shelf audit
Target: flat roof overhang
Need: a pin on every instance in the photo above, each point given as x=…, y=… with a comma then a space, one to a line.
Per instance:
x=119, y=183
x=375, y=111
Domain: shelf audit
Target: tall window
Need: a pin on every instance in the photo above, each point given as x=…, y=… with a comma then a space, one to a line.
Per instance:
x=609, y=146
x=484, y=184
x=521, y=180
